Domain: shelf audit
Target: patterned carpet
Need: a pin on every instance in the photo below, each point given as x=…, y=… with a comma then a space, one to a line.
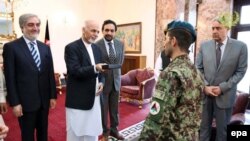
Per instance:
x=130, y=115
x=133, y=132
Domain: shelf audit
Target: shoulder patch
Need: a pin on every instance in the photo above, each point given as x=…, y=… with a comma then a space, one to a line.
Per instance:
x=155, y=108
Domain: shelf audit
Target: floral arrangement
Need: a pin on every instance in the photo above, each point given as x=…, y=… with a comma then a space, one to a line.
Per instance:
x=228, y=19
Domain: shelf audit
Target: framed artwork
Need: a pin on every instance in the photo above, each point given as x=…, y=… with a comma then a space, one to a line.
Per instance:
x=130, y=36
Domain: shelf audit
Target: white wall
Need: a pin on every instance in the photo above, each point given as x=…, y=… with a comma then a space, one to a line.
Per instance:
x=66, y=19
x=130, y=11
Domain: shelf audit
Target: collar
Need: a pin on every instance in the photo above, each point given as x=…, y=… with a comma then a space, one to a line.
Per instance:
x=106, y=42
x=28, y=41
x=87, y=45
x=224, y=42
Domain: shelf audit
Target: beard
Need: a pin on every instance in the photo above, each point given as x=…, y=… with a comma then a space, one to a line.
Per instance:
x=31, y=37
x=108, y=38
x=91, y=41
x=168, y=50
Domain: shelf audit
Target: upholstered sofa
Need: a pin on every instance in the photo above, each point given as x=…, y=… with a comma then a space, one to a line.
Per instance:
x=137, y=85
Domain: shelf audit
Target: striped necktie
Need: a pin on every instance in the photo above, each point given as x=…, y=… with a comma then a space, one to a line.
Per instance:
x=111, y=53
x=34, y=54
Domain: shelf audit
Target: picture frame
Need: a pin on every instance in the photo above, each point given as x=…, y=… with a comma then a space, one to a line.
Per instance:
x=130, y=35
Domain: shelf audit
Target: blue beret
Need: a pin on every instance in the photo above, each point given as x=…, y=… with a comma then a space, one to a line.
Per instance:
x=181, y=25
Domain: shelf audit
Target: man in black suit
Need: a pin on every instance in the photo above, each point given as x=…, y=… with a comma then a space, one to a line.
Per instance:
x=84, y=86
x=29, y=73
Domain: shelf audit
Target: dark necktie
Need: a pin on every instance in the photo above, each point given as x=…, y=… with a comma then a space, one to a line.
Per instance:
x=218, y=54
x=34, y=54
x=111, y=53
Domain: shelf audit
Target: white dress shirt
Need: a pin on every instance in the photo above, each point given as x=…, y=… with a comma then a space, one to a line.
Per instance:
x=35, y=46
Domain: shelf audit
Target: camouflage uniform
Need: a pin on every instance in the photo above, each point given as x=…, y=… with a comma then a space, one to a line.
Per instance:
x=176, y=105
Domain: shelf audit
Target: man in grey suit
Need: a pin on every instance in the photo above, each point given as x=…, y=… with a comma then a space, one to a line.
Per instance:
x=112, y=53
x=223, y=61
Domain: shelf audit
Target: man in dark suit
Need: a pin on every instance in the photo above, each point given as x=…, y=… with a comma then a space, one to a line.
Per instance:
x=112, y=53
x=223, y=62
x=84, y=86
x=29, y=74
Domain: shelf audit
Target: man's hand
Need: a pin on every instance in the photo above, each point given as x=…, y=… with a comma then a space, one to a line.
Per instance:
x=209, y=90
x=99, y=67
x=3, y=131
x=52, y=103
x=217, y=90
x=100, y=88
x=3, y=108
x=17, y=110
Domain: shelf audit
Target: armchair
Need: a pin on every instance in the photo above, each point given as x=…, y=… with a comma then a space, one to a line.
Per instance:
x=238, y=114
x=58, y=83
x=137, y=85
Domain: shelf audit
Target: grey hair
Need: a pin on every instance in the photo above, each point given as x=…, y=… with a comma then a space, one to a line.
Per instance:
x=25, y=17
x=217, y=19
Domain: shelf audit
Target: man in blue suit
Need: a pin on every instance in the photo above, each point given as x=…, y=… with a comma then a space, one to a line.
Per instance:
x=223, y=62
x=29, y=73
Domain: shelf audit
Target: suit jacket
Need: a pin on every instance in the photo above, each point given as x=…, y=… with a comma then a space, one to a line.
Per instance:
x=231, y=70
x=114, y=74
x=26, y=85
x=81, y=78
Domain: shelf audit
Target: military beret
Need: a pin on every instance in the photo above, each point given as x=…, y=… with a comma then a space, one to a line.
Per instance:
x=181, y=25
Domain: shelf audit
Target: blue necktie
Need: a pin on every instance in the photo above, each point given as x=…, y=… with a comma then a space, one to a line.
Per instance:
x=34, y=54
x=111, y=53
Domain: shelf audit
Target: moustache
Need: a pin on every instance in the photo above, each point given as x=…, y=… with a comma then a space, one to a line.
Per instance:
x=108, y=37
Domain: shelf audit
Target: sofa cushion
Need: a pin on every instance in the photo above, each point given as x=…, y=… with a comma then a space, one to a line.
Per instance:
x=133, y=90
x=240, y=103
x=143, y=75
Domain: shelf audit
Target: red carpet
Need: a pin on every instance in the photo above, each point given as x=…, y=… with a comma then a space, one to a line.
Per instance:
x=129, y=114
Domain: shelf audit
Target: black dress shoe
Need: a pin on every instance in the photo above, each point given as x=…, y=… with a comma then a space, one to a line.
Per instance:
x=117, y=136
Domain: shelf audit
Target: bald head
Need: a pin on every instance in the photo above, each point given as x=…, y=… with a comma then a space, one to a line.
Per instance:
x=89, y=23
x=90, y=31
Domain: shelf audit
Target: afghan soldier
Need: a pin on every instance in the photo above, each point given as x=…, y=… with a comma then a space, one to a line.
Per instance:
x=176, y=105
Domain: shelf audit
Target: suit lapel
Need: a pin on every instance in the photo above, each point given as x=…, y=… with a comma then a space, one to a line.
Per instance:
x=42, y=53
x=117, y=51
x=212, y=49
x=226, y=51
x=26, y=52
x=95, y=52
x=104, y=51
x=83, y=50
